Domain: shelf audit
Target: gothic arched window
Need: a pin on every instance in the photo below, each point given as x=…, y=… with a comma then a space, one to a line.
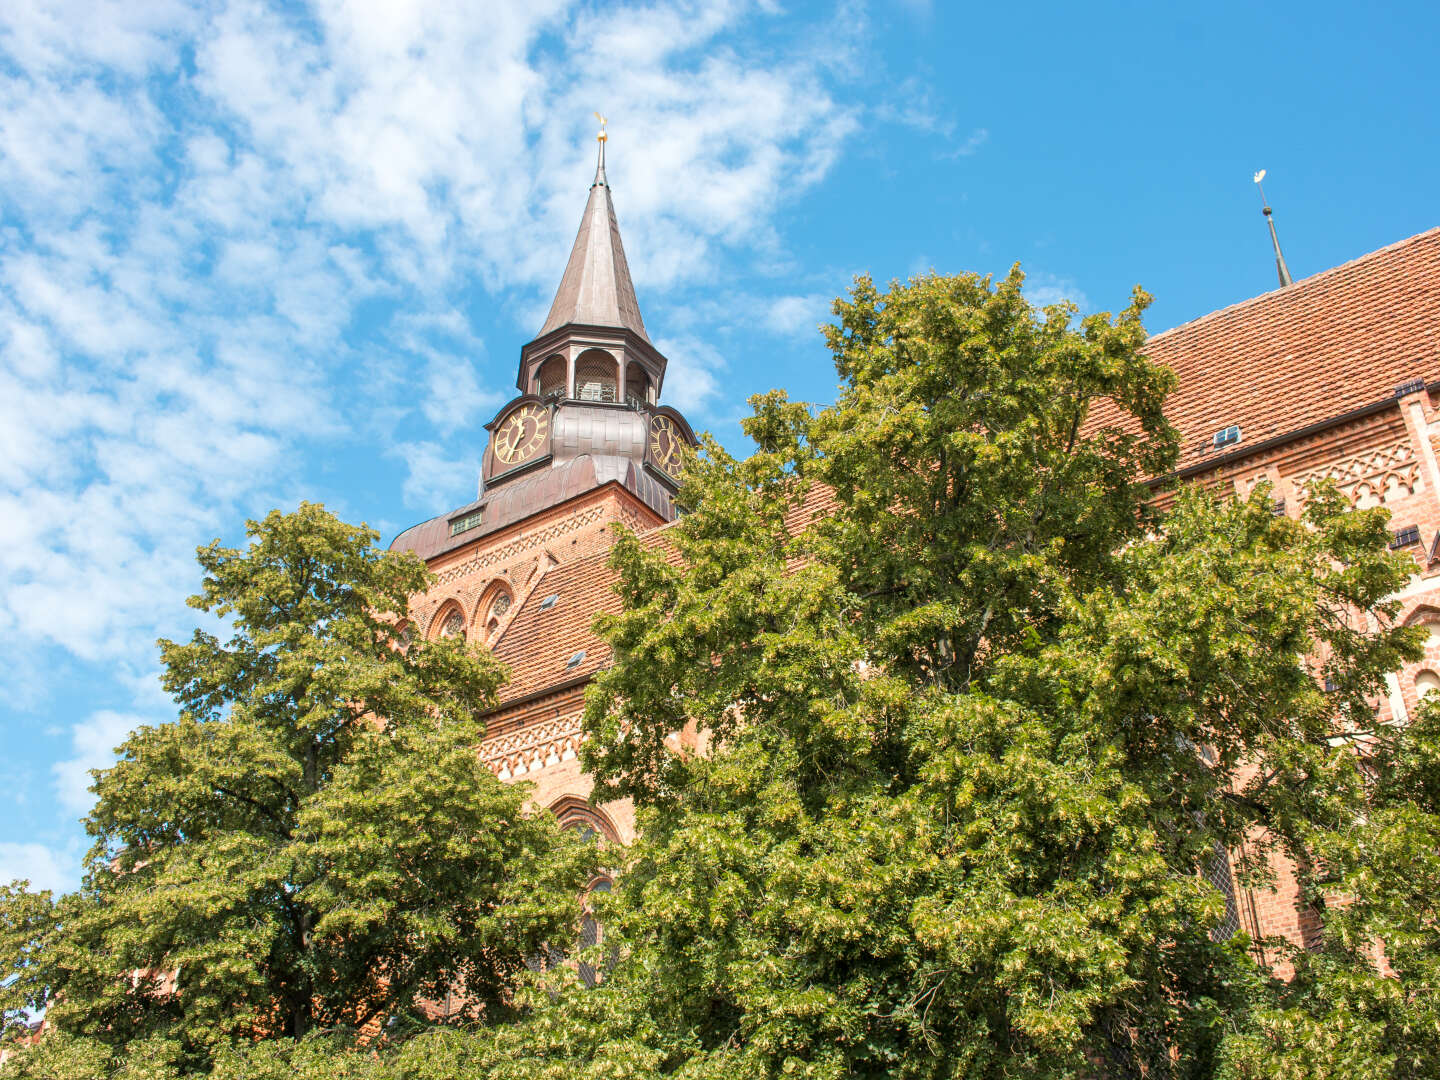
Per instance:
x=494, y=607
x=591, y=935
x=449, y=623
x=596, y=374
x=550, y=379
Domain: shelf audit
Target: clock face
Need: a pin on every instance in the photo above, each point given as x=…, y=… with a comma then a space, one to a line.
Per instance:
x=521, y=435
x=665, y=443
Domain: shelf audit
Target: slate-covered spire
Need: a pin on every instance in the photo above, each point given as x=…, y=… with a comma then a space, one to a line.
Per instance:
x=596, y=289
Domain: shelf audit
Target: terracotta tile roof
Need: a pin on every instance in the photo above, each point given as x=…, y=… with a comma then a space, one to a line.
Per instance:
x=539, y=641
x=1326, y=346
x=1323, y=347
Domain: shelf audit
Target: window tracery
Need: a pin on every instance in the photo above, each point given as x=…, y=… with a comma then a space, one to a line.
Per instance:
x=592, y=933
x=451, y=623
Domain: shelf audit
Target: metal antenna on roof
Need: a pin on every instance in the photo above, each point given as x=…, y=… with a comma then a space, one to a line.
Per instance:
x=1280, y=267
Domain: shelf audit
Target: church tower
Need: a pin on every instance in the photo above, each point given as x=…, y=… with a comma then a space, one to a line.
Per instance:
x=522, y=568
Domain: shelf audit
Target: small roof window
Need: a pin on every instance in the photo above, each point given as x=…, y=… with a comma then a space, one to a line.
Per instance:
x=1227, y=436
x=574, y=661
x=1410, y=534
x=549, y=601
x=466, y=522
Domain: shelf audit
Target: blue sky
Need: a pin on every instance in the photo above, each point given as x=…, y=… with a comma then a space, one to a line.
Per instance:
x=253, y=253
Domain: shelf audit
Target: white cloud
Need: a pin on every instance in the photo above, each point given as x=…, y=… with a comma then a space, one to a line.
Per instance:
x=1043, y=288
x=972, y=144
x=43, y=867
x=798, y=316
x=436, y=481
x=692, y=377
x=179, y=283
x=92, y=745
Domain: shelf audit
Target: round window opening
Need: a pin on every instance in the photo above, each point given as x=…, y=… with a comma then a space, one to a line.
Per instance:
x=453, y=626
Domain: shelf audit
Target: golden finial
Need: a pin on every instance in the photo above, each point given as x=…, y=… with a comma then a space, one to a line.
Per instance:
x=602, y=136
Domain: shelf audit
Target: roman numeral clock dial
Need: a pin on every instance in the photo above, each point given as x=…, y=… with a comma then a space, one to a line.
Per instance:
x=521, y=436
x=665, y=443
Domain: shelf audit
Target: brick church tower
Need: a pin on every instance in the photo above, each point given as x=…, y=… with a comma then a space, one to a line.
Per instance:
x=521, y=569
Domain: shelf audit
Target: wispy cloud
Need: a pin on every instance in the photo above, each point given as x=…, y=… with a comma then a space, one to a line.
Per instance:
x=92, y=743
x=970, y=146
x=43, y=867
x=238, y=240
x=179, y=289
x=1043, y=288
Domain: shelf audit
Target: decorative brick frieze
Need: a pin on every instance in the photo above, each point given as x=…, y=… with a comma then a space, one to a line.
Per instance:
x=533, y=746
x=1385, y=474
x=490, y=556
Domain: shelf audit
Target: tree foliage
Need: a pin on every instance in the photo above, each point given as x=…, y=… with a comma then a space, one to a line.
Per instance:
x=962, y=755
x=314, y=842
x=977, y=733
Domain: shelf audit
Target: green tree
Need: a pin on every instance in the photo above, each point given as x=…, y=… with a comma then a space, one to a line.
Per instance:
x=314, y=842
x=976, y=731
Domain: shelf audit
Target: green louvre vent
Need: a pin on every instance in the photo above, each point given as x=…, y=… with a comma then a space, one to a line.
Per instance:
x=466, y=522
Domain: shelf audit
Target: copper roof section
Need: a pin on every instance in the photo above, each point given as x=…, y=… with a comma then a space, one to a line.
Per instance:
x=596, y=289
x=1304, y=355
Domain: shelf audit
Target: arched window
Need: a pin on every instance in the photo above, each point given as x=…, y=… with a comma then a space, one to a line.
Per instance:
x=493, y=608
x=595, y=376
x=1426, y=683
x=550, y=378
x=573, y=812
x=591, y=935
x=449, y=623
x=637, y=386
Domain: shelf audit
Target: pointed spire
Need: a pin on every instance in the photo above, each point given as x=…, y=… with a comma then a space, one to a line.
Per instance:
x=596, y=289
x=1280, y=268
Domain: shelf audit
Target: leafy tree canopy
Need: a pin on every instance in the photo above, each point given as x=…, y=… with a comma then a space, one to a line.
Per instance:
x=971, y=745
x=981, y=733
x=314, y=842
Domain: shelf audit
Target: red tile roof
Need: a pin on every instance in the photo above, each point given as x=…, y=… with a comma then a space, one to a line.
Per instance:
x=1323, y=347
x=1312, y=352
x=538, y=642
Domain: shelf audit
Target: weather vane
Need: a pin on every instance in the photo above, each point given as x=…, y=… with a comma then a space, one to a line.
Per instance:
x=1281, y=270
x=602, y=136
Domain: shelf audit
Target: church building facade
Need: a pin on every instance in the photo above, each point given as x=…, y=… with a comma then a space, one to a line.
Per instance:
x=1336, y=375
x=522, y=569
